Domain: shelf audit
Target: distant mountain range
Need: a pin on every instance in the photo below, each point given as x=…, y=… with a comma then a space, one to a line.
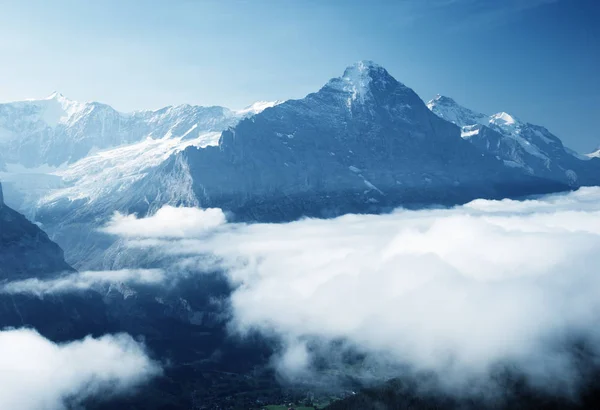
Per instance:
x=56, y=131
x=42, y=140
x=363, y=143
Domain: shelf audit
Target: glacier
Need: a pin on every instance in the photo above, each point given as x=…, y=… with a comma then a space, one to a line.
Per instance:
x=59, y=144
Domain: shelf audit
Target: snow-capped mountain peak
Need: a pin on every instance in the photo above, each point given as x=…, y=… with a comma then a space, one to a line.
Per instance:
x=518, y=143
x=503, y=118
x=450, y=110
x=506, y=122
x=50, y=111
x=441, y=100
x=469, y=120
x=60, y=100
x=58, y=131
x=358, y=81
x=55, y=95
x=361, y=70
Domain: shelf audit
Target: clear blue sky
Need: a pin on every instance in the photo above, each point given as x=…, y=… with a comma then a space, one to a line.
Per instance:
x=537, y=59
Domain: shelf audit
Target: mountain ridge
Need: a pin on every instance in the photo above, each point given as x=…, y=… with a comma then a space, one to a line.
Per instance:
x=519, y=144
x=352, y=115
x=57, y=131
x=43, y=141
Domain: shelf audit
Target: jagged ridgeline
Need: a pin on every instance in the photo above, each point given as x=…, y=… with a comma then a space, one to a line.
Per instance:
x=364, y=142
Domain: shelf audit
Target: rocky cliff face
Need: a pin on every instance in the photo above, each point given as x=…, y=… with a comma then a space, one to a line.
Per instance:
x=25, y=250
x=364, y=142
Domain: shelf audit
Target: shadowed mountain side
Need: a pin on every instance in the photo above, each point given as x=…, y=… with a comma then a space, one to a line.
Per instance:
x=25, y=250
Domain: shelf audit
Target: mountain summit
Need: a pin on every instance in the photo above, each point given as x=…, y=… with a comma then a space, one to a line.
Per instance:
x=55, y=95
x=364, y=142
x=361, y=80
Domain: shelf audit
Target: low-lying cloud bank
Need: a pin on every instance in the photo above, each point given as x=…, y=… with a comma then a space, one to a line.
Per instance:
x=39, y=374
x=453, y=291
x=82, y=281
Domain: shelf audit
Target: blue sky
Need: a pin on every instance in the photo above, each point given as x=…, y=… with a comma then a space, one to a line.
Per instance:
x=537, y=59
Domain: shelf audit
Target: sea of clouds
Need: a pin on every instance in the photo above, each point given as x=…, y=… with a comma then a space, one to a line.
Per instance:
x=81, y=281
x=453, y=292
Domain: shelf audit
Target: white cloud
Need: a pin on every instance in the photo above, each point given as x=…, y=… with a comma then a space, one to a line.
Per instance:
x=38, y=374
x=167, y=222
x=452, y=291
x=82, y=281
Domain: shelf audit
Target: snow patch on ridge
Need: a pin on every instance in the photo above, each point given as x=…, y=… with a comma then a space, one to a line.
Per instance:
x=448, y=109
x=469, y=131
x=503, y=119
x=356, y=81
x=257, y=107
x=595, y=154
x=507, y=125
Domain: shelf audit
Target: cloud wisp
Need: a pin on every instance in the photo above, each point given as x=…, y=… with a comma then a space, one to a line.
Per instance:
x=81, y=281
x=455, y=292
x=167, y=222
x=39, y=374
